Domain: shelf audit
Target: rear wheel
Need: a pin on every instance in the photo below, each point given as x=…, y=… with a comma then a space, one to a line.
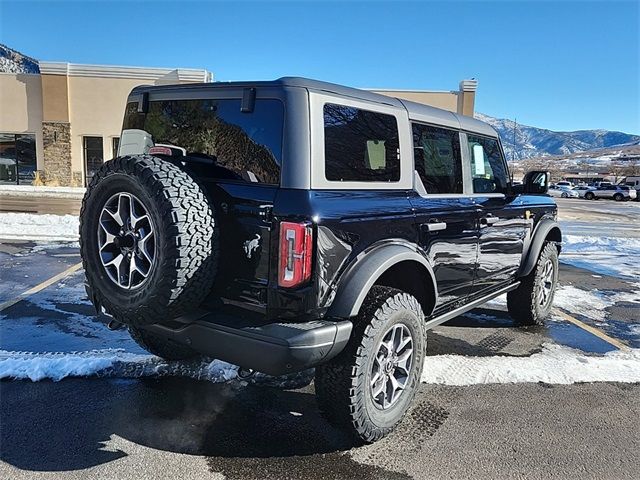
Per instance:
x=369, y=386
x=564, y=195
x=618, y=197
x=531, y=302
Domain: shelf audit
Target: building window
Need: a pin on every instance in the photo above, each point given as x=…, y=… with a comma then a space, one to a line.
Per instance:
x=115, y=141
x=438, y=161
x=17, y=158
x=360, y=145
x=93, y=156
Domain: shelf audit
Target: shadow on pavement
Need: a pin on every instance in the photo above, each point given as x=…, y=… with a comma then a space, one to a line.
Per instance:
x=244, y=431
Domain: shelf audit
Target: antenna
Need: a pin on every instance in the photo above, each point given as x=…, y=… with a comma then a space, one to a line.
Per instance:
x=513, y=153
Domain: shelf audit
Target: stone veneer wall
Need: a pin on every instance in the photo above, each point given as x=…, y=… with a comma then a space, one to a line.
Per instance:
x=56, y=139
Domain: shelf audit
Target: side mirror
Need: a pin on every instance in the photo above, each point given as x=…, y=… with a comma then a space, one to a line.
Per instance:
x=536, y=182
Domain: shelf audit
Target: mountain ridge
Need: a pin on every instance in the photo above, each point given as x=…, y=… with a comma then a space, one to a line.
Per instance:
x=533, y=142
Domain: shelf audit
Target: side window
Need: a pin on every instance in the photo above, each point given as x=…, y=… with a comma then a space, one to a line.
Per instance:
x=360, y=145
x=437, y=156
x=488, y=169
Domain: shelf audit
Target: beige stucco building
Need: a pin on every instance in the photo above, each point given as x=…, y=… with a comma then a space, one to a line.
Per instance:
x=58, y=126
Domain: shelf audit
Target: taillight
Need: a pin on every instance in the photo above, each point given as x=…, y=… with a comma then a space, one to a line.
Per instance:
x=160, y=151
x=296, y=249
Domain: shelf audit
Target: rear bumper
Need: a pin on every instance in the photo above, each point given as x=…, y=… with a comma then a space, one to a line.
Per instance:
x=274, y=349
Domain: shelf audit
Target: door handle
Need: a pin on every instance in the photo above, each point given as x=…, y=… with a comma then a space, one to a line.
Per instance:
x=436, y=226
x=489, y=220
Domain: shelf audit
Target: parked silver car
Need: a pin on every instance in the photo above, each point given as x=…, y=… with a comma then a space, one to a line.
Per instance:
x=562, y=191
x=616, y=192
x=582, y=190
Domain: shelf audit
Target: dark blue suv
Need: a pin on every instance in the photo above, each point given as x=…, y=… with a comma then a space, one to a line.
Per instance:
x=293, y=224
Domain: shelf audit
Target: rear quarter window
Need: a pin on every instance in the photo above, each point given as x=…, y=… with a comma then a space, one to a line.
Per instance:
x=360, y=145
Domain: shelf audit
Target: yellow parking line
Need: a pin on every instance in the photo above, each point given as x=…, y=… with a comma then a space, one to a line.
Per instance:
x=592, y=330
x=40, y=286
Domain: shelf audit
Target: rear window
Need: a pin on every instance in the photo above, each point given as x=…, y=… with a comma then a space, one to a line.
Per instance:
x=360, y=145
x=214, y=135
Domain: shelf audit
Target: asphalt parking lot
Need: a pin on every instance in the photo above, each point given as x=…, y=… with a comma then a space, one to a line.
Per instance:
x=145, y=419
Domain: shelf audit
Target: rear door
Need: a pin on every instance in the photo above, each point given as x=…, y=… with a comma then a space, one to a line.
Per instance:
x=446, y=218
x=501, y=216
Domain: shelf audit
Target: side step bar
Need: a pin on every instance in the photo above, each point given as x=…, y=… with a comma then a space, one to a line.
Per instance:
x=434, y=322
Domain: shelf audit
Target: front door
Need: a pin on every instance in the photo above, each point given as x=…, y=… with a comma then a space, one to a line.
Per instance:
x=501, y=216
x=445, y=217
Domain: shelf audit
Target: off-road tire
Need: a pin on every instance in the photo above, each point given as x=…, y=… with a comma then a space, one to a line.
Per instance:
x=161, y=347
x=343, y=385
x=522, y=302
x=186, y=240
x=618, y=197
x=589, y=195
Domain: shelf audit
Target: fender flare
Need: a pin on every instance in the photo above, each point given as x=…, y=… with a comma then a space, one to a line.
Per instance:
x=530, y=256
x=356, y=282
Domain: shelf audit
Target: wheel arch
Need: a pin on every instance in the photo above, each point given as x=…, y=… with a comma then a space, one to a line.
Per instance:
x=547, y=230
x=396, y=265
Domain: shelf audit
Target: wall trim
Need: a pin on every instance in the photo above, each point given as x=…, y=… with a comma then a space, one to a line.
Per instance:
x=113, y=71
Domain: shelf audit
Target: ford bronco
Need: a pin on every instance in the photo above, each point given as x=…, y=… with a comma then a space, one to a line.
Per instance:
x=292, y=224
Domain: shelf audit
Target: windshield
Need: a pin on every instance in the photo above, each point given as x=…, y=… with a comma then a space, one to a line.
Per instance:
x=238, y=145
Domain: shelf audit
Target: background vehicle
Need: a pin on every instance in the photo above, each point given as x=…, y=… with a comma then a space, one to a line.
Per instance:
x=563, y=191
x=332, y=233
x=616, y=192
x=564, y=183
x=634, y=183
x=583, y=189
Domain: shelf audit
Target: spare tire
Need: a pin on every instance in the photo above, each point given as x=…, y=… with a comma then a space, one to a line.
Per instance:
x=148, y=240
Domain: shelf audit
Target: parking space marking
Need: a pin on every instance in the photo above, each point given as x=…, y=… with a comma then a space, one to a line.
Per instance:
x=40, y=286
x=592, y=330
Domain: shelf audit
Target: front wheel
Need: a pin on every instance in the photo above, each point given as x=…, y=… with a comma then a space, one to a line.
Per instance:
x=531, y=302
x=589, y=196
x=369, y=386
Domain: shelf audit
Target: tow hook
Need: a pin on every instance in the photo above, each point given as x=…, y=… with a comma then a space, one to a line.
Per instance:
x=114, y=325
x=245, y=373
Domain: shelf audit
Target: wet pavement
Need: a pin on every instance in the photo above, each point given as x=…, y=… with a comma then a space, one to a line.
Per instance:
x=167, y=424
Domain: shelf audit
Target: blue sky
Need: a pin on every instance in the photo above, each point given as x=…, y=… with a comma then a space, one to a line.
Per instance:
x=560, y=65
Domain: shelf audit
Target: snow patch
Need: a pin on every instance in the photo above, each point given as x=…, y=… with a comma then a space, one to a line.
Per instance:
x=606, y=255
x=591, y=304
x=106, y=363
x=555, y=364
x=31, y=226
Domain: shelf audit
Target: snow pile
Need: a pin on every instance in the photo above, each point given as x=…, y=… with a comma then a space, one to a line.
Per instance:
x=555, y=364
x=591, y=304
x=30, y=226
x=615, y=256
x=107, y=363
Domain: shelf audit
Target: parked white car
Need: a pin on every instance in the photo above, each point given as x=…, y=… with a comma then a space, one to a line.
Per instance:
x=564, y=183
x=617, y=192
x=583, y=189
x=563, y=191
x=634, y=183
